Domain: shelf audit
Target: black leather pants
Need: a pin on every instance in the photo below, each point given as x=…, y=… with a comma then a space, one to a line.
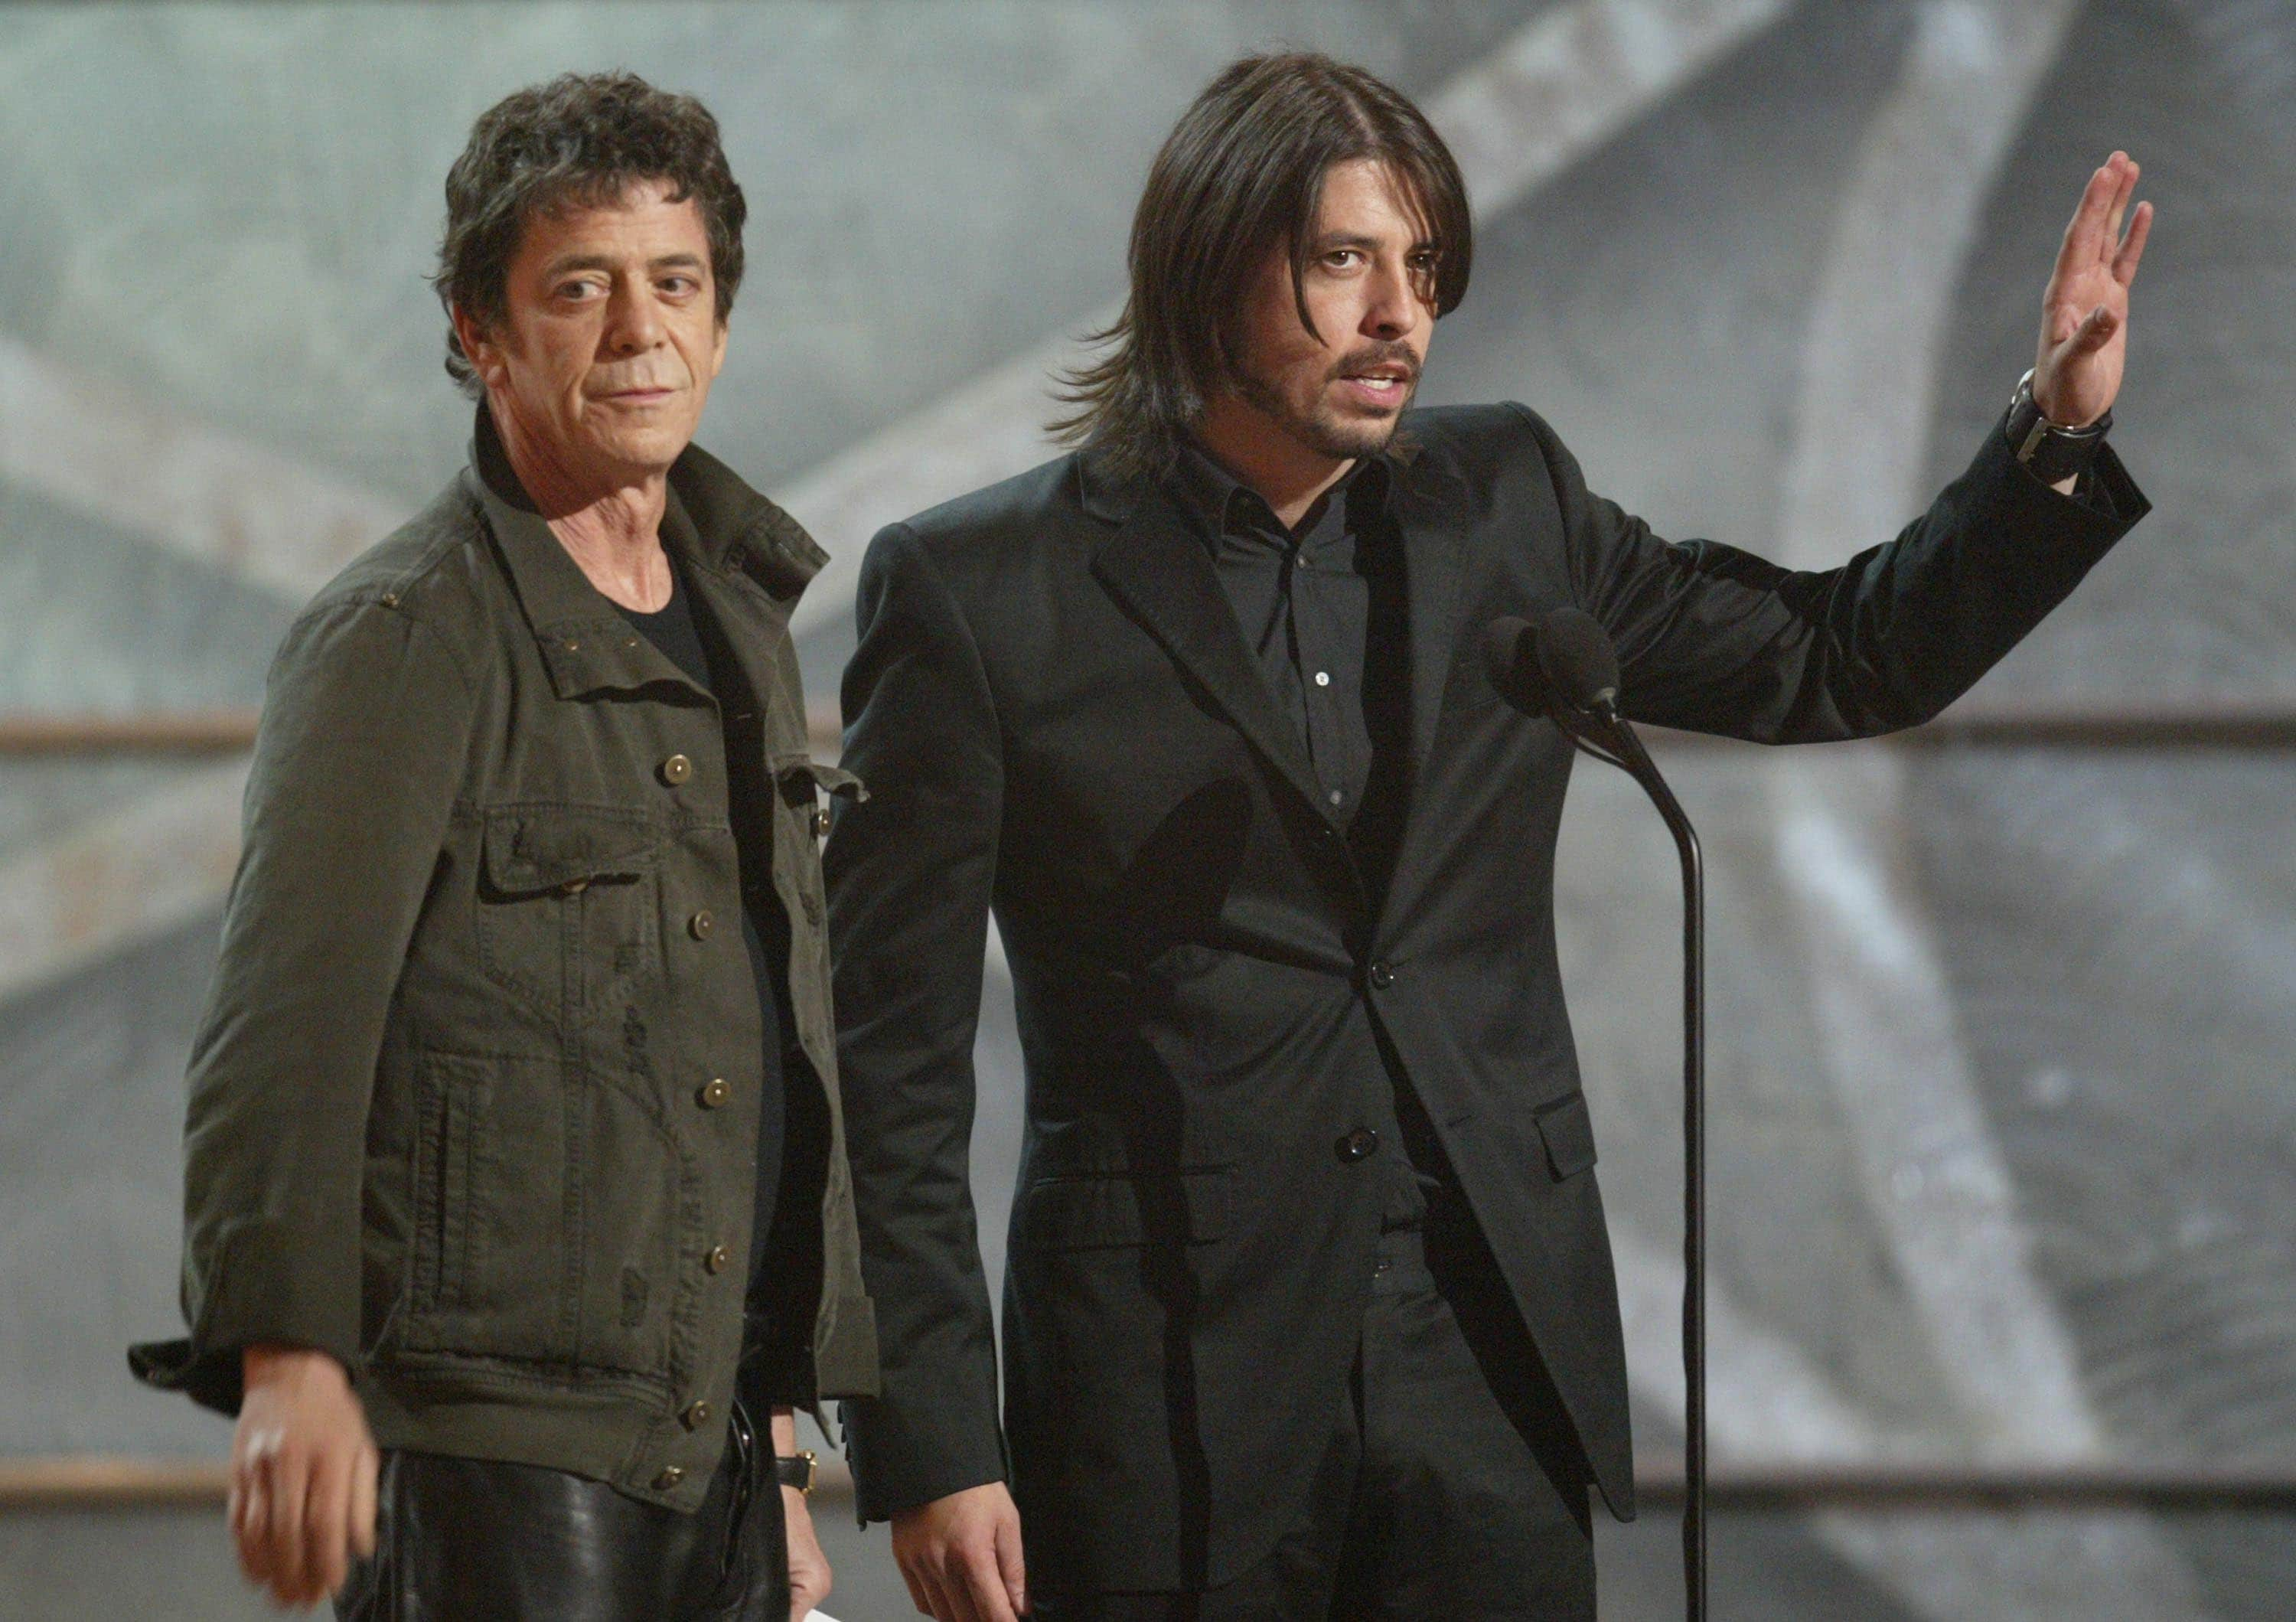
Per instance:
x=461, y=1540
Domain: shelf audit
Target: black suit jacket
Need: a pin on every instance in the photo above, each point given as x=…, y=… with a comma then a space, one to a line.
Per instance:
x=1058, y=717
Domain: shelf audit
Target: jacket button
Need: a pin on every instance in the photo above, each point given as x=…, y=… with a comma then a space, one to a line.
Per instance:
x=715, y=1093
x=696, y=1415
x=699, y=925
x=1357, y=1145
x=717, y=1259
x=676, y=770
x=820, y=823
x=1381, y=976
x=671, y=1475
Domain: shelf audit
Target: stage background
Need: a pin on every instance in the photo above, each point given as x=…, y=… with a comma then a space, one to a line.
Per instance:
x=2004, y=1118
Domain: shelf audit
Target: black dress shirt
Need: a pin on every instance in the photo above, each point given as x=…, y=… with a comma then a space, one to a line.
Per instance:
x=1323, y=607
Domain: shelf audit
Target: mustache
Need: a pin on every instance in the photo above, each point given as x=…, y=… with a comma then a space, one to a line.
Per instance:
x=1376, y=356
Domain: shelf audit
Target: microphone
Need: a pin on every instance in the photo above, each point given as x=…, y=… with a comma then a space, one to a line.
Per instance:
x=1564, y=667
x=1581, y=667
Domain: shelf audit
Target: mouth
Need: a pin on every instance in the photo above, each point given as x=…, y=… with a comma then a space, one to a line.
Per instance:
x=1386, y=384
x=648, y=396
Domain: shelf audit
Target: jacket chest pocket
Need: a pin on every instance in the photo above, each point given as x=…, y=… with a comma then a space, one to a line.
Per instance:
x=802, y=783
x=569, y=910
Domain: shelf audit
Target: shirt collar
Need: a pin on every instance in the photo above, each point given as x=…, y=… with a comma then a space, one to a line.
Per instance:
x=1222, y=504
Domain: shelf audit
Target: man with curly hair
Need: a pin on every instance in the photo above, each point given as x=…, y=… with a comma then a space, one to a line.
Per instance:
x=517, y=1215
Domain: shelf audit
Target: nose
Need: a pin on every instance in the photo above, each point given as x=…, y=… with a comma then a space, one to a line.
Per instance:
x=1392, y=310
x=633, y=321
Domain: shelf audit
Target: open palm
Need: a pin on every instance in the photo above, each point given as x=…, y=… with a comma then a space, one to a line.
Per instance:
x=2085, y=312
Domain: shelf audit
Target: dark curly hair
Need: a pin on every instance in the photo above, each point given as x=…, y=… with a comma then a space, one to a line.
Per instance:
x=1241, y=174
x=579, y=141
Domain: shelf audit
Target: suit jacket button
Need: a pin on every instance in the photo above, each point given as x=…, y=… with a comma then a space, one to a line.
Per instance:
x=1357, y=1145
x=717, y=1259
x=671, y=1475
x=715, y=1093
x=1381, y=976
x=699, y=925
x=696, y=1415
x=676, y=770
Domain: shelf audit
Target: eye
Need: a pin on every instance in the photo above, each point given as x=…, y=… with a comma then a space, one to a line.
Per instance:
x=1343, y=259
x=578, y=289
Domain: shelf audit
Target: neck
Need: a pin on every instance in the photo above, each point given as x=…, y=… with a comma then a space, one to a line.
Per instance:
x=1285, y=473
x=609, y=523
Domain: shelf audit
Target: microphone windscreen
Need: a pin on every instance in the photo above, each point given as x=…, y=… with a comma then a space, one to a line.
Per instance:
x=1575, y=653
x=1511, y=660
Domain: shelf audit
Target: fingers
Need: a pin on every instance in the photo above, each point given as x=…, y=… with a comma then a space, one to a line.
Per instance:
x=1010, y=1562
x=926, y=1591
x=2086, y=230
x=327, y=1527
x=2093, y=334
x=364, y=1471
x=920, y=1594
x=251, y=1520
x=2132, y=249
x=2093, y=234
x=2123, y=169
x=991, y=1600
x=290, y=1491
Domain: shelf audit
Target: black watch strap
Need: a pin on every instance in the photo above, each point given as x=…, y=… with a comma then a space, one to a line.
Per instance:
x=796, y=1469
x=2050, y=452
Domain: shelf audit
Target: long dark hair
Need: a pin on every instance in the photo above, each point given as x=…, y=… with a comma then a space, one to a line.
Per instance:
x=1243, y=174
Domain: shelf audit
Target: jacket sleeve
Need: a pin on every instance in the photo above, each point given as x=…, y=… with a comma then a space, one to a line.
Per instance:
x=1713, y=639
x=910, y=872
x=357, y=761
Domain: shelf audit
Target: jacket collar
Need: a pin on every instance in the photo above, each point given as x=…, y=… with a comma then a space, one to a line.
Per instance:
x=715, y=523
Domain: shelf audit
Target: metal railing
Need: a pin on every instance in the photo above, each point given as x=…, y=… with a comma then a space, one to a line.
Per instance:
x=94, y=1482
x=2237, y=727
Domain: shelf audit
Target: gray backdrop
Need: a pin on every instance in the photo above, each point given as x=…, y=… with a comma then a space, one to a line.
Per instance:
x=2003, y=1122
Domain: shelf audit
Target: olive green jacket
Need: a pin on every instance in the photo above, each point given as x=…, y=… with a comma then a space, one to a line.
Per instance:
x=474, y=1101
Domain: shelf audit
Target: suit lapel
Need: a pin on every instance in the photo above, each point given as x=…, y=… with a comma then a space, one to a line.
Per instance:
x=1157, y=568
x=1430, y=515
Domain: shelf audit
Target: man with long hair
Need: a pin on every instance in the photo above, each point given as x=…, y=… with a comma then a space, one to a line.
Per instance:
x=516, y=1215
x=1309, y=1310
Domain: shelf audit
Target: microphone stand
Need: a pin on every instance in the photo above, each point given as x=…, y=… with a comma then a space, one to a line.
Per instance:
x=1626, y=752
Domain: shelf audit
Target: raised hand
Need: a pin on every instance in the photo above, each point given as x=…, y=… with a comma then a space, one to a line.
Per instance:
x=2085, y=312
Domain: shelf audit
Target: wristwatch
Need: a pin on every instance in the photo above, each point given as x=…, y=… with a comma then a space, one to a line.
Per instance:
x=797, y=1470
x=2051, y=453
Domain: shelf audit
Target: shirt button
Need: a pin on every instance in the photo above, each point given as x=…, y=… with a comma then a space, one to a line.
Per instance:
x=1338, y=797
x=701, y=924
x=1323, y=679
x=676, y=770
x=1357, y=1145
x=715, y=1093
x=717, y=1259
x=696, y=1415
x=1381, y=976
x=671, y=1475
